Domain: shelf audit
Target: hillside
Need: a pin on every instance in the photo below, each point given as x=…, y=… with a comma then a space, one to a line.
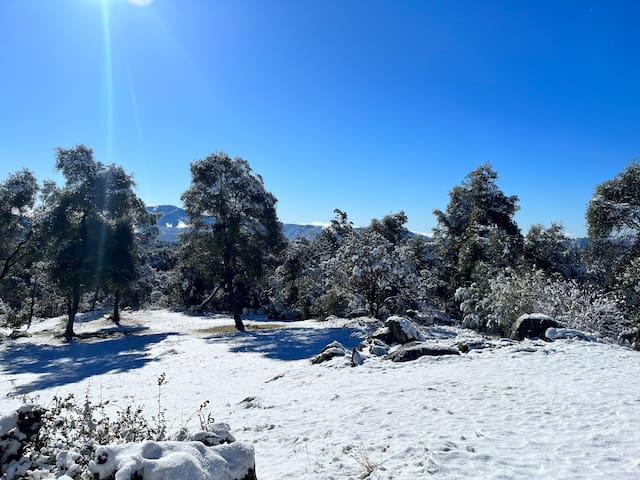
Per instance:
x=172, y=221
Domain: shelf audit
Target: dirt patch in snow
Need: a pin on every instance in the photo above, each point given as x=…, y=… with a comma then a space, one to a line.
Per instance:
x=251, y=327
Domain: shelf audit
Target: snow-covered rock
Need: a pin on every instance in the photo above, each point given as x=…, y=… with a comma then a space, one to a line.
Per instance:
x=564, y=333
x=532, y=325
x=334, y=349
x=414, y=350
x=174, y=460
x=214, y=434
x=402, y=330
x=378, y=347
x=356, y=358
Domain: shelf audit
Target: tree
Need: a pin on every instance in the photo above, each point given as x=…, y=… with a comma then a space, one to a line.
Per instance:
x=613, y=218
x=477, y=230
x=234, y=223
x=374, y=264
x=17, y=198
x=550, y=250
x=89, y=224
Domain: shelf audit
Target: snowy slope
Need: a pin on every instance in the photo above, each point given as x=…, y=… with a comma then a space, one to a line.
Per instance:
x=531, y=410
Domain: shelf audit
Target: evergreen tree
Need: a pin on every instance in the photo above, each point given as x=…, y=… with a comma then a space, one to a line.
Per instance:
x=17, y=230
x=373, y=265
x=235, y=230
x=89, y=225
x=613, y=218
x=476, y=233
x=550, y=250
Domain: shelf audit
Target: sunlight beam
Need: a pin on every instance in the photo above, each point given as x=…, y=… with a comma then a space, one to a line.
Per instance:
x=108, y=68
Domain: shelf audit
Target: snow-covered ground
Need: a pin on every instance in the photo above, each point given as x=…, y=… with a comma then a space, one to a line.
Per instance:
x=531, y=410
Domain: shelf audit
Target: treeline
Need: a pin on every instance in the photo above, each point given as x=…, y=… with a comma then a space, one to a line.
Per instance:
x=91, y=242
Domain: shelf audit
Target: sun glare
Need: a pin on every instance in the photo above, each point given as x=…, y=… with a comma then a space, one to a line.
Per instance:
x=141, y=3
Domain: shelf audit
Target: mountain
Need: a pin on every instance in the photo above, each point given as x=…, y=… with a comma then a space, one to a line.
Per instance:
x=172, y=221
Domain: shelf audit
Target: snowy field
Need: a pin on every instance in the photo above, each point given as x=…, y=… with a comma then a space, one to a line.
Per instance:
x=532, y=410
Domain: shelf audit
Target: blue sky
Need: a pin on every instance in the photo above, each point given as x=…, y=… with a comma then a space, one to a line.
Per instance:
x=363, y=105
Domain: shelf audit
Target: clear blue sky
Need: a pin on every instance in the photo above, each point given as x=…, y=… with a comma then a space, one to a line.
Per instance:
x=369, y=106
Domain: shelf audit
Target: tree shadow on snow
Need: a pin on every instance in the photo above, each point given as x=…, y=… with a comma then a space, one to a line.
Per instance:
x=76, y=361
x=289, y=343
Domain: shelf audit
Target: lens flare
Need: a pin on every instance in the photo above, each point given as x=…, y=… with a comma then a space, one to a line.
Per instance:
x=141, y=3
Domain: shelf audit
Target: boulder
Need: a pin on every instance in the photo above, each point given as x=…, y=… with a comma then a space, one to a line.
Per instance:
x=383, y=334
x=356, y=358
x=334, y=349
x=402, y=330
x=564, y=333
x=414, y=350
x=532, y=325
x=378, y=347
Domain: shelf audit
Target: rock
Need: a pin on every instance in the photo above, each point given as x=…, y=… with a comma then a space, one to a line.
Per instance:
x=356, y=358
x=378, y=348
x=402, y=330
x=532, y=325
x=413, y=350
x=468, y=345
x=334, y=349
x=564, y=333
x=383, y=334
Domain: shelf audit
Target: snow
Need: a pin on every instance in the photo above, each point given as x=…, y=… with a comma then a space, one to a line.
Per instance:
x=512, y=410
x=164, y=460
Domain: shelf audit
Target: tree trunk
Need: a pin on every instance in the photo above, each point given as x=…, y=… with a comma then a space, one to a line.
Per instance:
x=72, y=311
x=95, y=299
x=236, y=318
x=32, y=304
x=116, y=308
x=233, y=303
x=209, y=298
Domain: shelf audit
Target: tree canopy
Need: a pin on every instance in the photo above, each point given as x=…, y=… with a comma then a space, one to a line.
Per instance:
x=234, y=227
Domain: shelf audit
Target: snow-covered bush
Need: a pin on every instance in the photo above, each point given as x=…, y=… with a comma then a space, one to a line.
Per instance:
x=80, y=440
x=371, y=268
x=503, y=299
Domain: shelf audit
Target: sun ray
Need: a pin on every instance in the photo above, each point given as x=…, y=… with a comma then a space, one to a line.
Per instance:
x=108, y=69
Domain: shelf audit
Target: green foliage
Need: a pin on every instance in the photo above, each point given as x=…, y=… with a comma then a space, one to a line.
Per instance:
x=476, y=228
x=493, y=305
x=235, y=235
x=613, y=217
x=550, y=250
x=89, y=225
x=374, y=266
x=614, y=210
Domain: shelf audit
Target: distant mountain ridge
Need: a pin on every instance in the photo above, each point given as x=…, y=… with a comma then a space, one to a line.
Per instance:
x=172, y=221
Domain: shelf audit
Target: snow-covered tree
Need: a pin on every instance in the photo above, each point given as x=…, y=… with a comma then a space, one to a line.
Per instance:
x=550, y=250
x=89, y=224
x=17, y=198
x=613, y=217
x=372, y=268
x=476, y=229
x=234, y=227
x=296, y=284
